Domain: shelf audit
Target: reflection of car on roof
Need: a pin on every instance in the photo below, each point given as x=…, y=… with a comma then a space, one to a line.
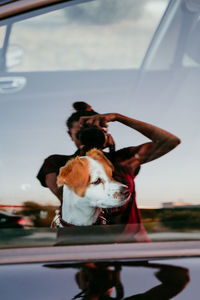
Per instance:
x=125, y=271
x=13, y=221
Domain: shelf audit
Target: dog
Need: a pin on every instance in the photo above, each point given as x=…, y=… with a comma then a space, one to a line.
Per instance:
x=88, y=187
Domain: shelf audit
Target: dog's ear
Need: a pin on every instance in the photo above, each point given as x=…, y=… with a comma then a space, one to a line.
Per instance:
x=75, y=174
x=100, y=157
x=64, y=171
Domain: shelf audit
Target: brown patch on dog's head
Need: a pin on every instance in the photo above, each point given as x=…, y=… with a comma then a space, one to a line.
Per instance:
x=75, y=174
x=100, y=157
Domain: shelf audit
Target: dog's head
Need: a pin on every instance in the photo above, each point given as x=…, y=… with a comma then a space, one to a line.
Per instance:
x=90, y=177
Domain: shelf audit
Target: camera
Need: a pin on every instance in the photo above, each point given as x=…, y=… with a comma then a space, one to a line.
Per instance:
x=92, y=137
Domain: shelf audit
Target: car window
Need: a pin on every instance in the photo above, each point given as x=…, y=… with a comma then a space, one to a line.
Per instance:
x=87, y=36
x=2, y=35
x=175, y=44
x=43, y=57
x=137, y=61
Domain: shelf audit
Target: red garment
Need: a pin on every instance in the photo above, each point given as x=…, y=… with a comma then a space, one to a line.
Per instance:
x=129, y=213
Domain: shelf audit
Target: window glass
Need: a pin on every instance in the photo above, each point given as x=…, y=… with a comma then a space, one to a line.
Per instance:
x=88, y=36
x=92, y=51
x=176, y=43
x=2, y=35
x=191, y=56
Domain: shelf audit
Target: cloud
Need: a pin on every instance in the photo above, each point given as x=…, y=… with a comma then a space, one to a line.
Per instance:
x=25, y=186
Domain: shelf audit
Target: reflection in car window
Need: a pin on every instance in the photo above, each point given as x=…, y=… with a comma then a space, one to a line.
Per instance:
x=54, y=41
x=176, y=42
x=87, y=36
x=92, y=51
x=105, y=281
x=2, y=35
x=114, y=279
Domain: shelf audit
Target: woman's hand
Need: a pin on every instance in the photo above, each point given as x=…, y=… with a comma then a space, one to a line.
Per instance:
x=100, y=120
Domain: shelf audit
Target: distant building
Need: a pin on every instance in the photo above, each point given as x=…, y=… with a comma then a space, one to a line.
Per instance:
x=176, y=204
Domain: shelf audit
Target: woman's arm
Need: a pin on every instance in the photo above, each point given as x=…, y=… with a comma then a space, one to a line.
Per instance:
x=173, y=280
x=161, y=141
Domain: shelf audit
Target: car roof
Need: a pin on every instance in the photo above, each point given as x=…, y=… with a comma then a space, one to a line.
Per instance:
x=13, y=8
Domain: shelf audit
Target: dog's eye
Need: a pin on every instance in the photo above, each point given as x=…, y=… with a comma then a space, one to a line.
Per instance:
x=98, y=181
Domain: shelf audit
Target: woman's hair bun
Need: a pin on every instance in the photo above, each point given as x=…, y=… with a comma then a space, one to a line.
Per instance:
x=81, y=106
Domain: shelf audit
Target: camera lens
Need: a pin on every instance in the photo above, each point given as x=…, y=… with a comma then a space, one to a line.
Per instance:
x=92, y=137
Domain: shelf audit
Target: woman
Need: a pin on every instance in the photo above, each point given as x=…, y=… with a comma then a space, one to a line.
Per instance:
x=97, y=282
x=126, y=161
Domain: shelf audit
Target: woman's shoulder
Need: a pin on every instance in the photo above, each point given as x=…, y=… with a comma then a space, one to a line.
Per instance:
x=119, y=157
x=55, y=161
x=52, y=164
x=57, y=158
x=123, y=153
